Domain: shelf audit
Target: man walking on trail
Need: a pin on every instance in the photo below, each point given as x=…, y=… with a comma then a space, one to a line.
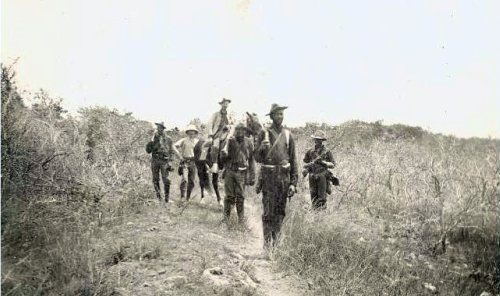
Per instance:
x=187, y=167
x=276, y=152
x=161, y=150
x=239, y=171
x=318, y=160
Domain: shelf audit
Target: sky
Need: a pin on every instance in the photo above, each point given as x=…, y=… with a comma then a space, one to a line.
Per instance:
x=434, y=64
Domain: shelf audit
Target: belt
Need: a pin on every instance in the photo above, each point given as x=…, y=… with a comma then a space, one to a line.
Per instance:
x=274, y=166
x=237, y=169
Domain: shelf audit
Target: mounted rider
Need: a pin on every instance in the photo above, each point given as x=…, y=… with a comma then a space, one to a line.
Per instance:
x=218, y=129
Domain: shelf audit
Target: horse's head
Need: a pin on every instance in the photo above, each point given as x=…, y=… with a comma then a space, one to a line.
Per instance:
x=254, y=124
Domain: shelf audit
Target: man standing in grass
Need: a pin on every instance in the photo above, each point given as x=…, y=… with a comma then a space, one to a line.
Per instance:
x=187, y=167
x=161, y=150
x=276, y=152
x=318, y=160
x=239, y=171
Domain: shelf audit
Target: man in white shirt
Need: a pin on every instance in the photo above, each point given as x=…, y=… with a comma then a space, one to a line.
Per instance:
x=187, y=168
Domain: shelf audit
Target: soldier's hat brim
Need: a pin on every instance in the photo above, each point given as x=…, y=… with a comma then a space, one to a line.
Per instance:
x=318, y=138
x=276, y=107
x=224, y=100
x=160, y=124
x=319, y=135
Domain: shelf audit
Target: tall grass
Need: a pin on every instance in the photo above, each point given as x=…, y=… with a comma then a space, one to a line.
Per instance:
x=408, y=200
x=408, y=212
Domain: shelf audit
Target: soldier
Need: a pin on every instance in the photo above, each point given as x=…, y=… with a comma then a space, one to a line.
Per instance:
x=239, y=171
x=161, y=150
x=276, y=152
x=318, y=160
x=187, y=167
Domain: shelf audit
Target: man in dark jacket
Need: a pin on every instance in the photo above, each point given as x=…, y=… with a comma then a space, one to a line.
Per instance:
x=318, y=160
x=161, y=150
x=275, y=150
x=240, y=171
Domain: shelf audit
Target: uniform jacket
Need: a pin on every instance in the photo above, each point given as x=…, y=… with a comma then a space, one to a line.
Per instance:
x=281, y=154
x=162, y=146
x=240, y=156
x=324, y=154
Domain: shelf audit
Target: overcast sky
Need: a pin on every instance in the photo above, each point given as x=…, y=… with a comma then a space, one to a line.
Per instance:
x=429, y=63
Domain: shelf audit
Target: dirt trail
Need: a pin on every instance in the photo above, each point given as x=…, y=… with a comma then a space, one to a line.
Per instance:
x=184, y=249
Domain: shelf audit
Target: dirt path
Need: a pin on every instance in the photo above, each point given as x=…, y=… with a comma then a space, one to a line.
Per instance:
x=184, y=249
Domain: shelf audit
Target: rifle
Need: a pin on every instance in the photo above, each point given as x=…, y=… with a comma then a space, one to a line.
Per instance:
x=308, y=166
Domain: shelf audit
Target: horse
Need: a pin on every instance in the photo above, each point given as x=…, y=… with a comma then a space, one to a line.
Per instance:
x=204, y=159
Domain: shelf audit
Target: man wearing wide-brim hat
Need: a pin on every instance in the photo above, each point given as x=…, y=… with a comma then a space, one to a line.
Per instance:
x=275, y=150
x=318, y=160
x=219, y=128
x=161, y=150
x=187, y=167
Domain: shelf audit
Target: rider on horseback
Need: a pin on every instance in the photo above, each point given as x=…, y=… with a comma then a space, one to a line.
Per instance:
x=219, y=128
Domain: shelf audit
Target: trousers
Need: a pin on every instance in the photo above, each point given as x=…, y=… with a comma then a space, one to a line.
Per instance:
x=275, y=184
x=159, y=166
x=234, y=186
x=318, y=186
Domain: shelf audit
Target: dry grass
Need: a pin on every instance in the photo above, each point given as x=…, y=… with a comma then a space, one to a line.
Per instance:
x=413, y=209
x=408, y=213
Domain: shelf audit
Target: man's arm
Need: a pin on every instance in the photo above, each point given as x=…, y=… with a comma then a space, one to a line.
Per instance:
x=293, y=162
x=328, y=160
x=307, y=157
x=251, y=163
x=260, y=150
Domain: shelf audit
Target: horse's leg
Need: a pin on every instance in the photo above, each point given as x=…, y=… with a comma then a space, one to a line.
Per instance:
x=215, y=184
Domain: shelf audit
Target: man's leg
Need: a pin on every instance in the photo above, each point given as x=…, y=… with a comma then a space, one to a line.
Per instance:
x=166, y=181
x=321, y=192
x=215, y=184
x=214, y=155
x=230, y=197
x=239, y=193
x=202, y=177
x=281, y=182
x=240, y=209
x=313, y=188
x=155, y=170
x=267, y=208
x=183, y=181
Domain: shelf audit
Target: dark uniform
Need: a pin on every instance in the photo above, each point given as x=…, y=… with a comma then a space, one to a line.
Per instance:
x=161, y=151
x=240, y=171
x=278, y=172
x=318, y=174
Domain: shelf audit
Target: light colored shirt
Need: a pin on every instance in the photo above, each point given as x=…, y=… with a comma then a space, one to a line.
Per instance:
x=215, y=122
x=186, y=146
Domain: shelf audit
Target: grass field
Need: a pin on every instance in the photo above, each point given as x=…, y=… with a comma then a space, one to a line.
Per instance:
x=415, y=214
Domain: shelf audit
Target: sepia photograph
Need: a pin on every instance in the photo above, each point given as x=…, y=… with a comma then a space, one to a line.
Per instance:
x=250, y=147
